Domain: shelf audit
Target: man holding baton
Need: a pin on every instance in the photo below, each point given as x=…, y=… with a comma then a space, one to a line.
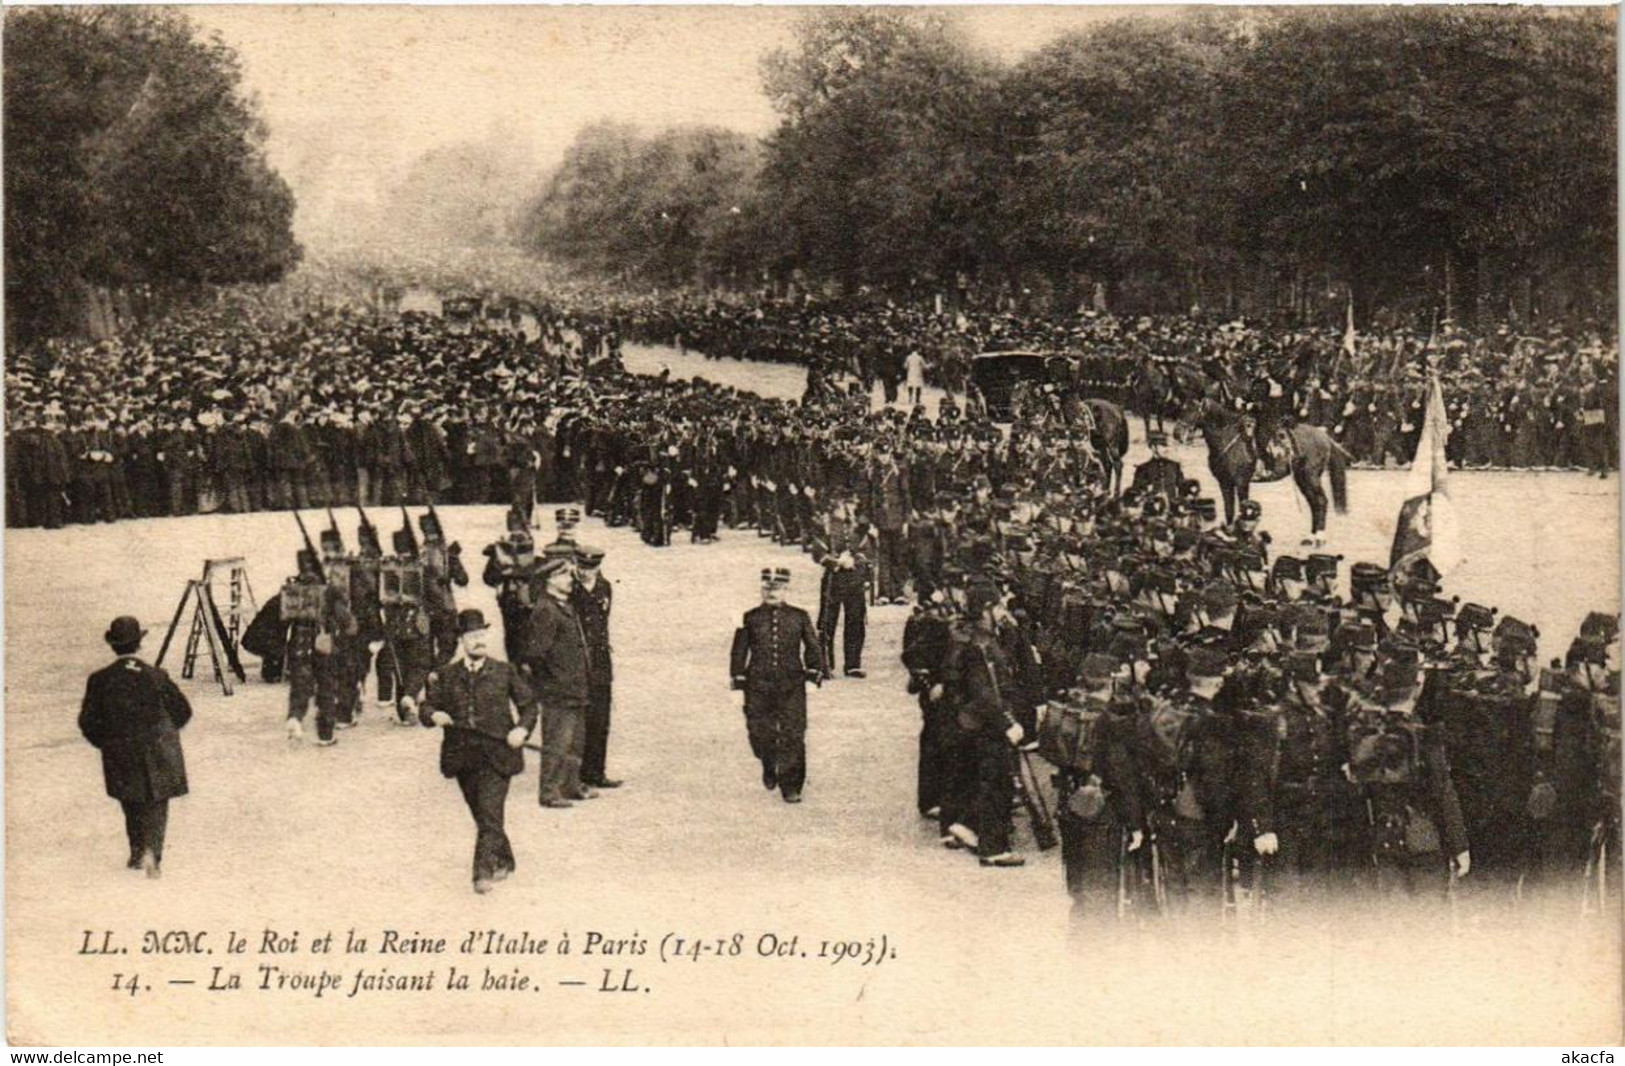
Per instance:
x=485, y=711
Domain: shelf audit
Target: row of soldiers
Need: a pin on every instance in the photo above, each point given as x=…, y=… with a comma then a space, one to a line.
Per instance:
x=221, y=411
x=1546, y=400
x=1226, y=730
x=345, y=618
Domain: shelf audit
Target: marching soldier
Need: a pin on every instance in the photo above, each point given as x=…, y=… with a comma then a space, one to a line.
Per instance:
x=1181, y=749
x=442, y=570
x=592, y=599
x=484, y=710
x=510, y=568
x=1100, y=818
x=365, y=603
x=1416, y=838
x=339, y=575
x=775, y=652
x=313, y=615
x=981, y=675
x=133, y=714
x=408, y=654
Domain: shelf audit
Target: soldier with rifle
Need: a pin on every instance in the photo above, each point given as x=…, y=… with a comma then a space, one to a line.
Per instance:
x=313, y=614
x=365, y=603
x=407, y=655
x=510, y=568
x=1181, y=748
x=1417, y=841
x=341, y=575
x=1100, y=818
x=442, y=570
x=981, y=675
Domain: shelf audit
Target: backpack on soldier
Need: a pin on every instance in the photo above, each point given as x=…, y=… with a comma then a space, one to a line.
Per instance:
x=303, y=601
x=1071, y=735
x=1606, y=710
x=1173, y=751
x=1384, y=752
x=400, y=582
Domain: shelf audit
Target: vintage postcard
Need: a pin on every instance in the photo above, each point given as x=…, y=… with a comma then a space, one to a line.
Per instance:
x=751, y=525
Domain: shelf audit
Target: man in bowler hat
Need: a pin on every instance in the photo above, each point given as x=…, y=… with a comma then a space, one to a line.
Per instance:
x=485, y=711
x=133, y=714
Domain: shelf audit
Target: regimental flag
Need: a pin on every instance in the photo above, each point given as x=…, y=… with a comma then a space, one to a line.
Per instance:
x=1348, y=333
x=1427, y=521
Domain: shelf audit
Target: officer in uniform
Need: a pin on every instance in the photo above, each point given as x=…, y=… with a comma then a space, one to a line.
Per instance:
x=592, y=599
x=484, y=710
x=775, y=652
x=565, y=521
x=133, y=714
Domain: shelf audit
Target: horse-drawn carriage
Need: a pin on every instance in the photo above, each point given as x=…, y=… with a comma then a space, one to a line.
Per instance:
x=1003, y=378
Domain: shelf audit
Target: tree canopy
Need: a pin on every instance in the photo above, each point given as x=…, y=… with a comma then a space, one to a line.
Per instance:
x=1245, y=159
x=132, y=157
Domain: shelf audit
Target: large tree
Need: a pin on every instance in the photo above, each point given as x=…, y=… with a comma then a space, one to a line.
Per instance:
x=132, y=156
x=667, y=208
x=884, y=167
x=1397, y=146
x=1112, y=135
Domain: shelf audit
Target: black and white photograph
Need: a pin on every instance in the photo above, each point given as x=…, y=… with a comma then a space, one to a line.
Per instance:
x=765, y=525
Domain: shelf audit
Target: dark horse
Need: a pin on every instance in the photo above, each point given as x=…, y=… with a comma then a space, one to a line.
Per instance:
x=1108, y=424
x=1232, y=456
x=1164, y=390
x=1109, y=439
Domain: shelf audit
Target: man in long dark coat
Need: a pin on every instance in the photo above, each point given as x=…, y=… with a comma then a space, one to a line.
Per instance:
x=485, y=710
x=133, y=714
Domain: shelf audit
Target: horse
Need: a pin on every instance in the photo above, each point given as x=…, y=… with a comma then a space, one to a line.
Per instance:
x=1233, y=458
x=1163, y=390
x=1109, y=439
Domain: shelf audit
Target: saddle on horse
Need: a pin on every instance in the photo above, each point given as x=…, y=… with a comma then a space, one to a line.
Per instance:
x=1275, y=453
